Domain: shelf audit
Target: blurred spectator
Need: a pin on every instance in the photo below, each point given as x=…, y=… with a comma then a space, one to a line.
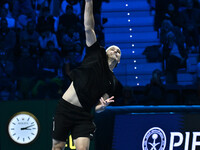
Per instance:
x=4, y=94
x=55, y=7
x=50, y=88
x=68, y=41
x=8, y=93
x=7, y=45
x=63, y=6
x=29, y=37
x=155, y=91
x=66, y=27
x=175, y=58
x=45, y=21
x=50, y=61
x=21, y=22
x=25, y=72
x=24, y=60
x=7, y=39
x=23, y=7
x=74, y=3
x=47, y=36
x=72, y=61
x=69, y=20
x=162, y=7
x=168, y=27
x=6, y=14
x=189, y=20
x=7, y=82
x=153, y=53
x=49, y=85
x=172, y=14
x=6, y=69
x=74, y=58
x=7, y=4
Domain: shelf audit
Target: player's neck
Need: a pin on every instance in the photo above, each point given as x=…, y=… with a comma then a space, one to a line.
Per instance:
x=112, y=64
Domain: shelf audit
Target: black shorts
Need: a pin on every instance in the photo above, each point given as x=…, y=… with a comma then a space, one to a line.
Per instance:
x=71, y=119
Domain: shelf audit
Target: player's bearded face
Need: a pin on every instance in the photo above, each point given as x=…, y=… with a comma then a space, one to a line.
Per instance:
x=114, y=53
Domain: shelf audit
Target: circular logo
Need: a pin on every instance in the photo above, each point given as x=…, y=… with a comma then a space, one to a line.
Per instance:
x=154, y=139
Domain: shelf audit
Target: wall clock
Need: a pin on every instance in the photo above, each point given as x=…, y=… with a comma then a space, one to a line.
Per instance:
x=23, y=127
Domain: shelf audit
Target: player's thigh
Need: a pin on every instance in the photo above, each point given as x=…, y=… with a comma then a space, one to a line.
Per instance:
x=82, y=143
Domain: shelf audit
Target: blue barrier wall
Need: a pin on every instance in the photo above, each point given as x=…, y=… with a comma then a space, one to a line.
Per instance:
x=132, y=128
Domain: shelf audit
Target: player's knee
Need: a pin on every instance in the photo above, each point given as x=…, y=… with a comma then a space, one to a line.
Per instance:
x=58, y=145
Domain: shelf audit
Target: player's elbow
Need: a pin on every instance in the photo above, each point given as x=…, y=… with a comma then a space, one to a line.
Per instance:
x=89, y=31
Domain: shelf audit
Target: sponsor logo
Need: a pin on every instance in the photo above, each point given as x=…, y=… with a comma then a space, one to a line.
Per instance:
x=154, y=139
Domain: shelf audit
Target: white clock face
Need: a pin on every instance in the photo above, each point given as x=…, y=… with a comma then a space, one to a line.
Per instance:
x=23, y=128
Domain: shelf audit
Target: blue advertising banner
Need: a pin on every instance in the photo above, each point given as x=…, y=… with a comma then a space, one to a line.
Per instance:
x=156, y=131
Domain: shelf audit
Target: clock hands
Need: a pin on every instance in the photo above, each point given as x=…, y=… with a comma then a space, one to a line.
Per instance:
x=26, y=128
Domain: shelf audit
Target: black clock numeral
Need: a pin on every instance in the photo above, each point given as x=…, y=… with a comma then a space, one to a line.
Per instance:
x=29, y=138
x=12, y=129
x=14, y=134
x=18, y=138
x=32, y=123
x=34, y=128
x=13, y=123
x=32, y=133
x=23, y=139
x=17, y=119
x=28, y=119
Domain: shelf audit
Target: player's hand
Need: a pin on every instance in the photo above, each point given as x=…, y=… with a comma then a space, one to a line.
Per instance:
x=106, y=102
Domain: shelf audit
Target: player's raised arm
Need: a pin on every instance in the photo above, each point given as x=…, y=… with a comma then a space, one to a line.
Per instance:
x=89, y=23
